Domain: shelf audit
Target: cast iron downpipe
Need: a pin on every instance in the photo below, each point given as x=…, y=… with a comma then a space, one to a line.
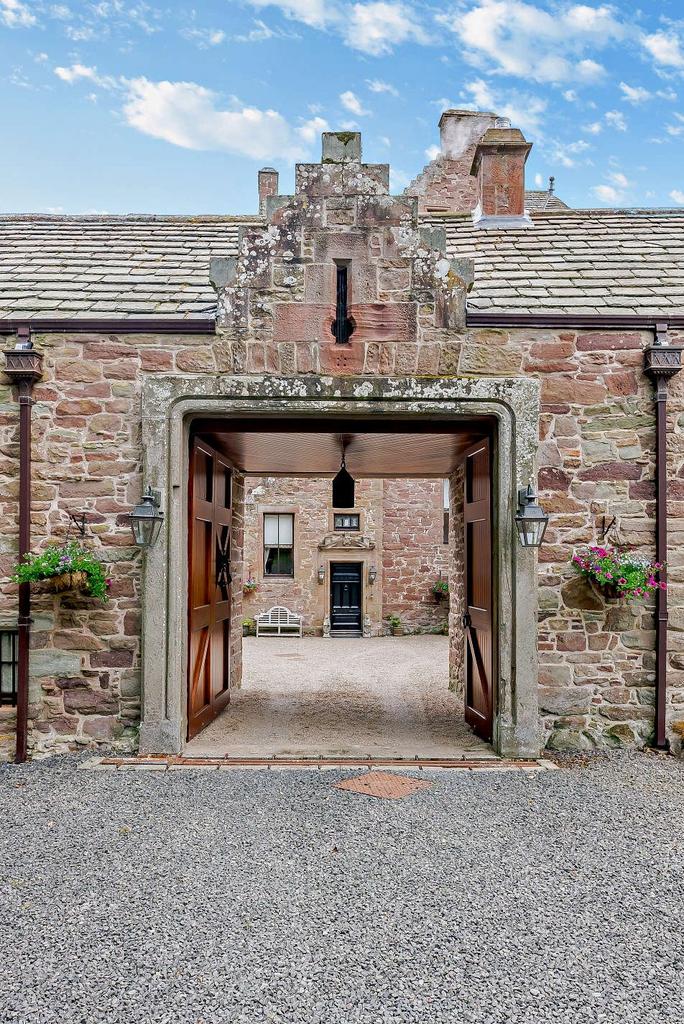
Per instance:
x=662, y=361
x=23, y=365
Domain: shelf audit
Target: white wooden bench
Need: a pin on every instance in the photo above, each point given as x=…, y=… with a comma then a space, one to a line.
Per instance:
x=278, y=621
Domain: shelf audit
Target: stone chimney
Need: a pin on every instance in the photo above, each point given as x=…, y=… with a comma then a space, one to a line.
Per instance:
x=268, y=186
x=461, y=130
x=499, y=168
x=445, y=185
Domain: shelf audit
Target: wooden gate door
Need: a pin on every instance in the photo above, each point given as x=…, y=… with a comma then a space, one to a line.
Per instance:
x=477, y=619
x=209, y=585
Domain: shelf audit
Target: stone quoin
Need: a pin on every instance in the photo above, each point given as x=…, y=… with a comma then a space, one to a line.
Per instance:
x=469, y=301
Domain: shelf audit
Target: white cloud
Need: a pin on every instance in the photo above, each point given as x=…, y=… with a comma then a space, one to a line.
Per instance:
x=570, y=95
x=618, y=178
x=81, y=72
x=515, y=38
x=616, y=120
x=678, y=196
x=595, y=128
x=538, y=180
x=607, y=194
x=205, y=37
x=310, y=130
x=261, y=32
x=316, y=13
x=666, y=49
x=634, y=93
x=15, y=14
x=376, y=28
x=188, y=115
x=376, y=85
x=61, y=12
x=432, y=152
x=351, y=102
x=524, y=110
x=565, y=152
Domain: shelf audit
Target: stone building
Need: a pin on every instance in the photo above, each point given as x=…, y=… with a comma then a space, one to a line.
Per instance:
x=465, y=330
x=395, y=537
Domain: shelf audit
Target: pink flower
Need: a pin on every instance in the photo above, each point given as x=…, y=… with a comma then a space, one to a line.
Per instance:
x=622, y=581
x=601, y=552
x=663, y=586
x=609, y=575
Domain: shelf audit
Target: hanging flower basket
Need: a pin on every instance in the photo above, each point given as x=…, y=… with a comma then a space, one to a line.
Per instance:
x=60, y=568
x=58, y=584
x=440, y=590
x=619, y=574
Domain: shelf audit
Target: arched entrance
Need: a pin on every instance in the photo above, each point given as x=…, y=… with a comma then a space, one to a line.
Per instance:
x=501, y=646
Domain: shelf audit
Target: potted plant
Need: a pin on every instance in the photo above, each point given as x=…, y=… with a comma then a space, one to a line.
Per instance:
x=395, y=625
x=619, y=573
x=250, y=586
x=440, y=589
x=62, y=567
x=248, y=627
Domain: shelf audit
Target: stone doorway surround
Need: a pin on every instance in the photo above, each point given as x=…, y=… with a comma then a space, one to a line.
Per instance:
x=169, y=403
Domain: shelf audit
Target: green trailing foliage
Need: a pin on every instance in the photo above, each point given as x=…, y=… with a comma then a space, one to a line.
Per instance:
x=56, y=560
x=622, y=573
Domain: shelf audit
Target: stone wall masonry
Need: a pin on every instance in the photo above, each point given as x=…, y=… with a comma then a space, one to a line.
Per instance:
x=595, y=459
x=402, y=518
x=413, y=552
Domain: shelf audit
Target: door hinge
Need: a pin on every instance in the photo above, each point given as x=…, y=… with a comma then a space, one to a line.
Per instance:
x=466, y=620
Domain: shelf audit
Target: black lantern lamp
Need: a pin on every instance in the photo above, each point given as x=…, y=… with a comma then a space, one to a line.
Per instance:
x=343, y=487
x=531, y=520
x=146, y=519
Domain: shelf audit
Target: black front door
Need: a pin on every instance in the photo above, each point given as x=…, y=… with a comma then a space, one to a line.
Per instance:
x=345, y=599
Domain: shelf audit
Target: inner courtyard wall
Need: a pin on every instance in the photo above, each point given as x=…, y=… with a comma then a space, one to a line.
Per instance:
x=401, y=519
x=596, y=444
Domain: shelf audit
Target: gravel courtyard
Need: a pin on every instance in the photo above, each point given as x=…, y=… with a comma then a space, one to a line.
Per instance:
x=269, y=896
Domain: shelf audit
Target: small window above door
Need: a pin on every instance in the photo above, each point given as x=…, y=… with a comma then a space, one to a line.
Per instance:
x=347, y=521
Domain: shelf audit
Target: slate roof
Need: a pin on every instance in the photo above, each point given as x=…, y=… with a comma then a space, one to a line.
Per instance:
x=568, y=261
x=111, y=266
x=545, y=200
x=576, y=261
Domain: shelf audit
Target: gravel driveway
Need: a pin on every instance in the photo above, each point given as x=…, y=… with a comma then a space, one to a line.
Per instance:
x=257, y=896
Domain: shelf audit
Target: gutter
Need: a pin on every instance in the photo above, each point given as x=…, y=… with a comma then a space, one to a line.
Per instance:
x=83, y=325
x=570, y=321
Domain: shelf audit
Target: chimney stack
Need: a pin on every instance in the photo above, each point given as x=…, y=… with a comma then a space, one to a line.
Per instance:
x=268, y=186
x=499, y=165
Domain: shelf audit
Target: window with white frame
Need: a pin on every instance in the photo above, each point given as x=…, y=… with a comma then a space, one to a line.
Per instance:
x=278, y=544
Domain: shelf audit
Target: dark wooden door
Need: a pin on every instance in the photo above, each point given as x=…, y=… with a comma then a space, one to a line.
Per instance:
x=345, y=598
x=477, y=619
x=209, y=585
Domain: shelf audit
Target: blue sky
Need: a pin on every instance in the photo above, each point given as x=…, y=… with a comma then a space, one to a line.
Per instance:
x=120, y=106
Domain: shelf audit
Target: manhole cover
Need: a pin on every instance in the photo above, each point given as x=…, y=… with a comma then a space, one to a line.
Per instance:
x=383, y=784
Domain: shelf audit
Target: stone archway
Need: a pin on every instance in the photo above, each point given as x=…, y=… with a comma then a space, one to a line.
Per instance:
x=168, y=405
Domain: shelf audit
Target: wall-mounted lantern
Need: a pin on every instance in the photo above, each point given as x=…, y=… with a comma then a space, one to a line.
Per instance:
x=372, y=574
x=146, y=519
x=530, y=520
x=321, y=574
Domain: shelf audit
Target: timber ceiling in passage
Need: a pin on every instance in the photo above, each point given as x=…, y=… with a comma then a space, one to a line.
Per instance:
x=403, y=451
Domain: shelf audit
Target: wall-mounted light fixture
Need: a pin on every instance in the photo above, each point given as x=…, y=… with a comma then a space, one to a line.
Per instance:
x=321, y=574
x=372, y=574
x=146, y=519
x=530, y=520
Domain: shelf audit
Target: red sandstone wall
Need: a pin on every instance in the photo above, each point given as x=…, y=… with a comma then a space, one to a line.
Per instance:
x=413, y=552
x=595, y=457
